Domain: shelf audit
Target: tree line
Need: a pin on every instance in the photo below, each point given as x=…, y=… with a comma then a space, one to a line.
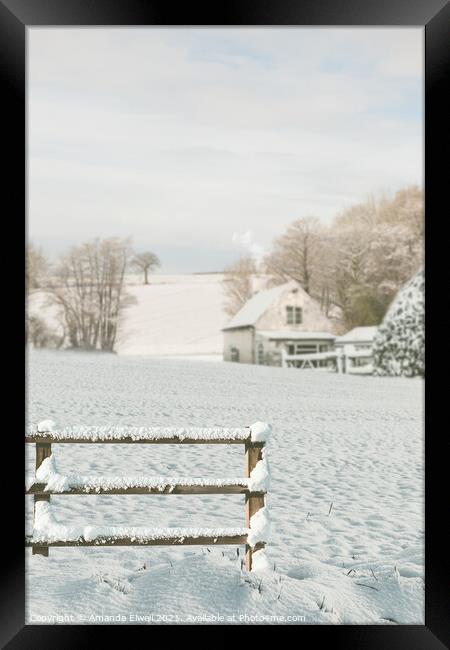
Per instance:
x=86, y=287
x=353, y=267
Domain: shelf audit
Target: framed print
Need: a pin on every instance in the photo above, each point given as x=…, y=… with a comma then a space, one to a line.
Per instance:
x=223, y=215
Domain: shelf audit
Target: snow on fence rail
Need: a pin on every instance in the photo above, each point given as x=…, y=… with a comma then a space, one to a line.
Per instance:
x=47, y=532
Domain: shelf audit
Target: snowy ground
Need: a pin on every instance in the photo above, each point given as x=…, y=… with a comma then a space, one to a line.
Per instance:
x=346, y=498
x=175, y=314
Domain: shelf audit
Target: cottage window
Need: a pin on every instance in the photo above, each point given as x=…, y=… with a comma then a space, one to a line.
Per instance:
x=293, y=315
x=305, y=348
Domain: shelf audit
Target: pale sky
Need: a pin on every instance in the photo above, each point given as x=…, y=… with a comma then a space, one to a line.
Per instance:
x=202, y=143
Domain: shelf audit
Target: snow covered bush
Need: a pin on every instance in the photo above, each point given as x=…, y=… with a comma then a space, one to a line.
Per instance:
x=399, y=344
x=41, y=335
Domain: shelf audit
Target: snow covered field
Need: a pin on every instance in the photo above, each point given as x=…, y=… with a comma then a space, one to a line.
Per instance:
x=173, y=315
x=346, y=497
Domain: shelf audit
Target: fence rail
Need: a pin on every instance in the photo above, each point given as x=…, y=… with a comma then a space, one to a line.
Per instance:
x=345, y=361
x=48, y=439
x=254, y=499
x=234, y=540
x=39, y=489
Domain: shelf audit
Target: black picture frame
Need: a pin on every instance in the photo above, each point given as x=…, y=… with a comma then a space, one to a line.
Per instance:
x=434, y=15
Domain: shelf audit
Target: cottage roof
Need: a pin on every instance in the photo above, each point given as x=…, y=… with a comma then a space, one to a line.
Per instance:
x=255, y=307
x=358, y=334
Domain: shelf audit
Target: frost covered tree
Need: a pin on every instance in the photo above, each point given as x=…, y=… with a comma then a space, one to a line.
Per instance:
x=348, y=248
x=355, y=266
x=396, y=249
x=238, y=283
x=146, y=263
x=399, y=345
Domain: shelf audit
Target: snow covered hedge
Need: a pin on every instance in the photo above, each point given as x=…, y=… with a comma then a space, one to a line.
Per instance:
x=399, y=344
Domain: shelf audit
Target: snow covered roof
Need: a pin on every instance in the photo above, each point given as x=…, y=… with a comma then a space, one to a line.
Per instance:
x=277, y=335
x=255, y=307
x=358, y=334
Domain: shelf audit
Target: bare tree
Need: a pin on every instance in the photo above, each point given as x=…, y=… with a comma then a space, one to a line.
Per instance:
x=295, y=253
x=145, y=262
x=348, y=250
x=36, y=268
x=89, y=289
x=238, y=284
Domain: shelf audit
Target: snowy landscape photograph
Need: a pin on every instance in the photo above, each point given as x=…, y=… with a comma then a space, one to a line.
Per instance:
x=225, y=348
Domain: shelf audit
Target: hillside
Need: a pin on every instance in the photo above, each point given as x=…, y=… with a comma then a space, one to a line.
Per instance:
x=174, y=315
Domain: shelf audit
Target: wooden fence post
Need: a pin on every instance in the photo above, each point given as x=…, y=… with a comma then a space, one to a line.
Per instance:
x=252, y=503
x=43, y=451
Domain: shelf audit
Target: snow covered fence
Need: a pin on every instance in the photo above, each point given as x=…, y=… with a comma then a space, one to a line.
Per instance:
x=47, y=532
x=307, y=360
x=343, y=361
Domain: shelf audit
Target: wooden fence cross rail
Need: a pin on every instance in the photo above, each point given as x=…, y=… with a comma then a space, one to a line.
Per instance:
x=39, y=489
x=253, y=438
